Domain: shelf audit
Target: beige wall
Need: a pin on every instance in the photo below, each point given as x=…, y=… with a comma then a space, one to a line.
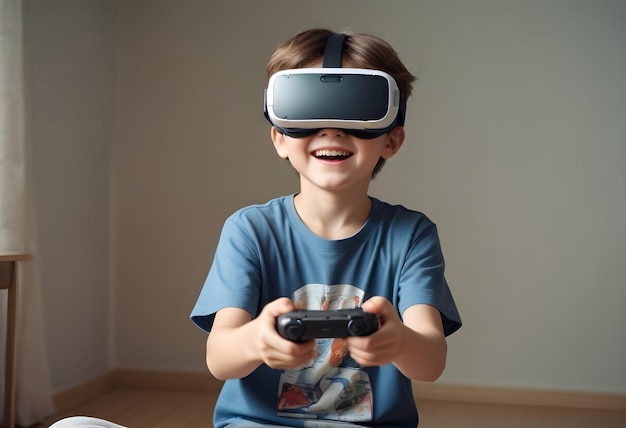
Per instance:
x=516, y=148
x=70, y=84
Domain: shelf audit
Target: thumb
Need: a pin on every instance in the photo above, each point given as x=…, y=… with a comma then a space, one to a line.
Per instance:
x=376, y=305
x=279, y=306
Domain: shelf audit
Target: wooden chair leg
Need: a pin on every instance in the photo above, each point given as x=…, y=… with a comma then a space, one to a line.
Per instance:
x=8, y=280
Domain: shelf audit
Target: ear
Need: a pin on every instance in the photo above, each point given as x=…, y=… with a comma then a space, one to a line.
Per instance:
x=395, y=139
x=279, y=143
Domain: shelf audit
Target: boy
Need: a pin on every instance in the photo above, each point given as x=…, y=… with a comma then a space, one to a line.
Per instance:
x=330, y=246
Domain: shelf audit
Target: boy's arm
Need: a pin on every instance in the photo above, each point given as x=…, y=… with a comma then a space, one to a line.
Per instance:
x=416, y=347
x=238, y=344
x=424, y=349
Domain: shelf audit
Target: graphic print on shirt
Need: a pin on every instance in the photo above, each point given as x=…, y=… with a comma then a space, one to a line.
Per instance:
x=332, y=386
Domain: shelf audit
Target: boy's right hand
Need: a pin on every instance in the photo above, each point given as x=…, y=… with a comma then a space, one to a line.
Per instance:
x=276, y=351
x=238, y=344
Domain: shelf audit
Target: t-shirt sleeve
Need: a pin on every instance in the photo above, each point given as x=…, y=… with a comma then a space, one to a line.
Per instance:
x=423, y=281
x=234, y=277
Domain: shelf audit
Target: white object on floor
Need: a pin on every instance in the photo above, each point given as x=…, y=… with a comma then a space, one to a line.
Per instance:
x=84, y=422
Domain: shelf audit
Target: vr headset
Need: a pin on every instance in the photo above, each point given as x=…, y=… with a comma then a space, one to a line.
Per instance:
x=362, y=102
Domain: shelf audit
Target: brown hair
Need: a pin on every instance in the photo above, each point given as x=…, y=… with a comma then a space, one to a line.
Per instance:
x=359, y=50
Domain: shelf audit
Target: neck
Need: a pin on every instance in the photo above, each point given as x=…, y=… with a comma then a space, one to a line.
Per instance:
x=333, y=215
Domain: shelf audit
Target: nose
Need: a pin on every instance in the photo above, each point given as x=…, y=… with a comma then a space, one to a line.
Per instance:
x=331, y=132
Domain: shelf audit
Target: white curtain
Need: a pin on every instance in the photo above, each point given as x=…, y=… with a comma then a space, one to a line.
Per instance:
x=17, y=228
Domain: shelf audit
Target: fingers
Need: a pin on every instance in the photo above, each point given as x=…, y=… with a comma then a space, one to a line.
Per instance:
x=287, y=355
x=276, y=351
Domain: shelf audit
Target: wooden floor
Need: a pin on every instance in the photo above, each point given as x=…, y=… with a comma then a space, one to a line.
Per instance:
x=143, y=408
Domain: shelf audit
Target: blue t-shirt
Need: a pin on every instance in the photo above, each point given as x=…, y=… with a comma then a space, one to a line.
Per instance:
x=266, y=251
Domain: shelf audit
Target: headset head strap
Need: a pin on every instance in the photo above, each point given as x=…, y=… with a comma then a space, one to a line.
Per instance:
x=332, y=51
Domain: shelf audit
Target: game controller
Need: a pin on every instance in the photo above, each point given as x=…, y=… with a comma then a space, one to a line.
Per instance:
x=303, y=325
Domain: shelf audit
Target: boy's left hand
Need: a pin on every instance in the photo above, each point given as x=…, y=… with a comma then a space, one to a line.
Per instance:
x=384, y=345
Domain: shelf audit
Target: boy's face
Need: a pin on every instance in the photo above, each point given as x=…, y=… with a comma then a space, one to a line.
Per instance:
x=335, y=160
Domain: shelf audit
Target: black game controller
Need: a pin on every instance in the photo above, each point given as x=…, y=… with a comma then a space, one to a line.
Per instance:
x=303, y=325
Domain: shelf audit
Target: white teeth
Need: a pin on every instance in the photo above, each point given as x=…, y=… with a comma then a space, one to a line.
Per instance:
x=329, y=153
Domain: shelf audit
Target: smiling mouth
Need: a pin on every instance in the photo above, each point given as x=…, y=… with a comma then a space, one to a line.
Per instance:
x=331, y=154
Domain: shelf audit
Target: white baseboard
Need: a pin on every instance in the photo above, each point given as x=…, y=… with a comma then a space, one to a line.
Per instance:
x=204, y=382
